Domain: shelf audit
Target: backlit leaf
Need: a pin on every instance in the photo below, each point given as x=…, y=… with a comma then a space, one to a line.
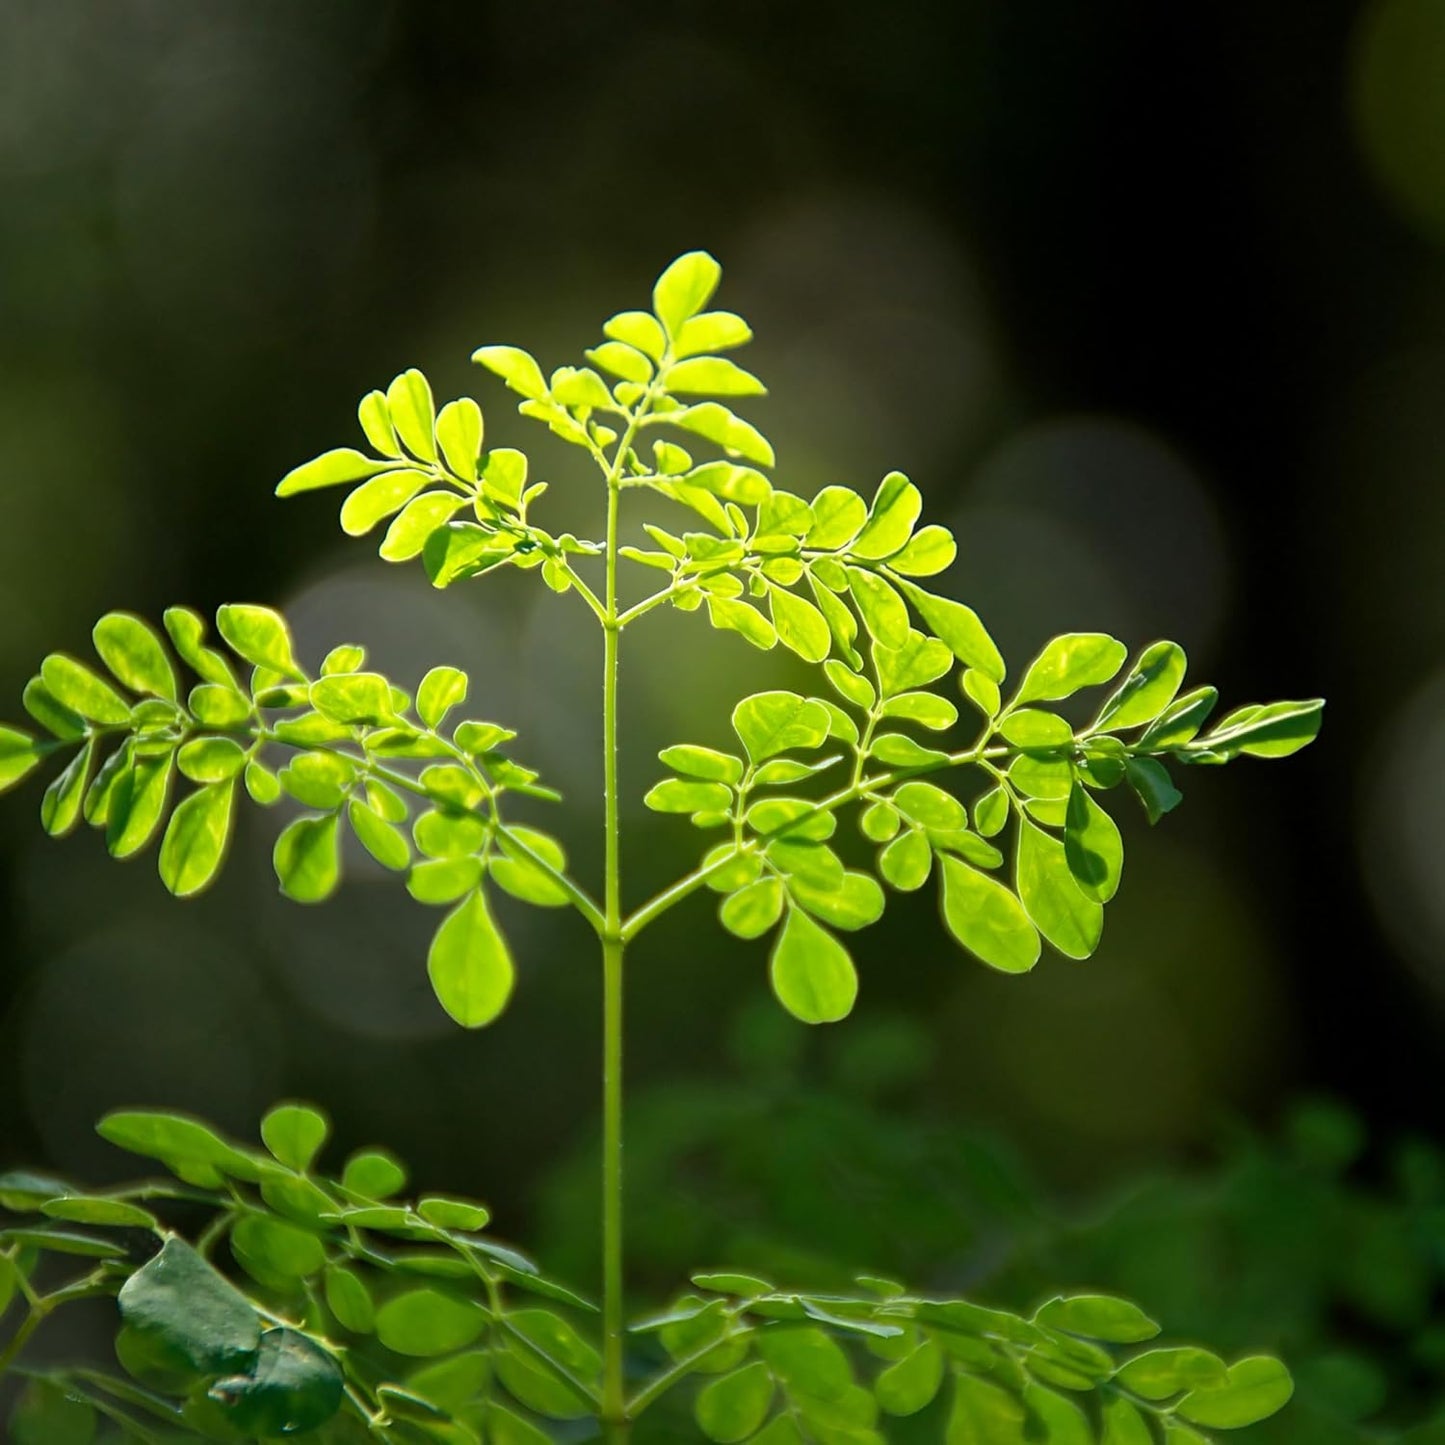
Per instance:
x=413, y=413
x=959, y=628
x=1147, y=690
x=1254, y=1389
x=1068, y=663
x=459, y=433
x=330, y=469
x=470, y=965
x=195, y=842
x=1069, y=920
x=895, y=509
x=732, y=1407
x=684, y=288
x=987, y=919
x=1093, y=847
x=307, y=859
x=812, y=974
x=132, y=651
x=261, y=636
x=769, y=723
x=515, y=367
x=77, y=687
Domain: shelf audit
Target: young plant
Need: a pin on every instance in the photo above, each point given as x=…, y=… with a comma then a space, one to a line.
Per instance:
x=301, y=1341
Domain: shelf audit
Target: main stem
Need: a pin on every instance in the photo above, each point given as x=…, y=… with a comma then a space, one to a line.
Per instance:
x=615, y=1424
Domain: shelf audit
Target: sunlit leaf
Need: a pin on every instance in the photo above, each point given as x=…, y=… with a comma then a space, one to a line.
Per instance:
x=812, y=974
x=1068, y=663
x=413, y=414
x=470, y=965
x=987, y=919
x=1070, y=921
x=330, y=469
x=133, y=652
x=1093, y=847
x=684, y=288
x=261, y=636
x=1254, y=1389
x=307, y=859
x=769, y=723
x=195, y=842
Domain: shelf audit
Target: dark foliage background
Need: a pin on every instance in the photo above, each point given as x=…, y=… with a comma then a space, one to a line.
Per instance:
x=1149, y=299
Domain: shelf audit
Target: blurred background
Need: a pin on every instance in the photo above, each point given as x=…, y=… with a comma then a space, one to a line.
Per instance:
x=1149, y=300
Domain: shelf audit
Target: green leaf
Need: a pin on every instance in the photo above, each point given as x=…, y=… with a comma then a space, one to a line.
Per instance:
x=307, y=859
x=1147, y=690
x=133, y=652
x=982, y=691
x=175, y=1140
x=637, y=329
x=896, y=507
x=1093, y=847
x=838, y=516
x=330, y=469
x=984, y=1414
x=1070, y=921
x=261, y=636
x=806, y=1361
x=931, y=551
x=1123, y=1424
x=190, y=1316
x=732, y=1407
x=712, y=376
x=275, y=1253
x=959, y=629
x=459, y=433
x=910, y=1384
x=714, y=421
x=319, y=779
x=705, y=763
x=732, y=483
x=880, y=607
x=849, y=685
x=516, y=367
x=137, y=806
x=684, y=288
x=195, y=842
x=42, y=705
x=354, y=697
x=1064, y=1423
x=879, y=822
x=60, y=807
x=987, y=919
x=673, y=795
x=1181, y=720
x=524, y=879
x=446, y=1213
x=218, y=706
x=84, y=1209
x=505, y=1428
x=384, y=841
x=800, y=626
x=929, y=806
x=768, y=723
x=735, y=616
x=379, y=498
x=1254, y=1390
x=854, y=903
x=442, y=689
x=622, y=360
x=916, y=662
x=407, y=536
x=1071, y=662
x=375, y=421
x=753, y=910
x=791, y=770
x=374, y=1174
x=1153, y=786
x=1033, y=728
x=75, y=686
x=1274, y=730
x=1158, y=1374
x=46, y=1414
x=469, y=964
x=426, y=1322
x=991, y=812
x=900, y=751
x=712, y=331
x=349, y=1300
x=294, y=1133
x=413, y=413
x=925, y=708
x=211, y=760
x=444, y=880
x=1098, y=1317
x=295, y=1386
x=812, y=974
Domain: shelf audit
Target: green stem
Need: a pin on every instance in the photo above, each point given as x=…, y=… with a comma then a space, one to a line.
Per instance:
x=616, y=1428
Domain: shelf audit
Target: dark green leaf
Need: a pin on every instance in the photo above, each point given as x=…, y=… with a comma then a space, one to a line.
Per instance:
x=295, y=1386
x=425, y=1322
x=1098, y=1317
x=1158, y=1374
x=189, y=1315
x=1093, y=847
x=1153, y=786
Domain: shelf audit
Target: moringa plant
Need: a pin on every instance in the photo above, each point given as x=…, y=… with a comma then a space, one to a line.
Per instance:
x=354, y=1315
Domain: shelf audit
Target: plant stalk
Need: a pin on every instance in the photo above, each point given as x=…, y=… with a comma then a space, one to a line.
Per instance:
x=616, y=1426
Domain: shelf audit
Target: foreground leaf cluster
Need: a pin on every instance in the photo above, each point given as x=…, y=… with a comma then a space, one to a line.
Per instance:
x=336, y=1309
